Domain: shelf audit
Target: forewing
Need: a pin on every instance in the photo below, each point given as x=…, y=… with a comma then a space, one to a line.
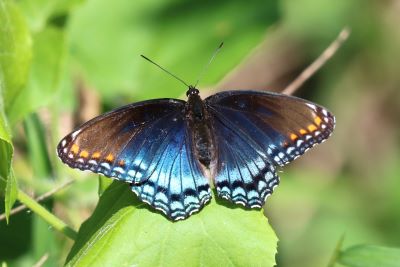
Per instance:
x=124, y=143
x=255, y=131
x=280, y=126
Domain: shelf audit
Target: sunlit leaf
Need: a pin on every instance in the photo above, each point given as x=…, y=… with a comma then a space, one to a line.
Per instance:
x=6, y=148
x=39, y=12
x=124, y=232
x=8, y=184
x=47, y=67
x=104, y=183
x=11, y=193
x=370, y=256
x=15, y=51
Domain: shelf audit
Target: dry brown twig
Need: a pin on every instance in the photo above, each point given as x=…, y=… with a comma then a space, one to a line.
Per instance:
x=42, y=260
x=318, y=63
x=39, y=198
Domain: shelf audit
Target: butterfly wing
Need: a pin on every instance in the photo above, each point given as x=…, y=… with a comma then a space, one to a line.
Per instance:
x=137, y=143
x=254, y=132
x=116, y=144
x=177, y=186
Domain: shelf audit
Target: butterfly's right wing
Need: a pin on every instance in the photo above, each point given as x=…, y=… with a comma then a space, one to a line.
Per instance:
x=124, y=143
x=147, y=145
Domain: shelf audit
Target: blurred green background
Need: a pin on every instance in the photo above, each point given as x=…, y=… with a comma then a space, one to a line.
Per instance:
x=64, y=62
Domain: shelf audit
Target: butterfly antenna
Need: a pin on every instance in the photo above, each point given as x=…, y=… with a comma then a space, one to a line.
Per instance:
x=208, y=64
x=173, y=75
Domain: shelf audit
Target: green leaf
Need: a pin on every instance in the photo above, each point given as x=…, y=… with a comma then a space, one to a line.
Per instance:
x=104, y=183
x=175, y=34
x=65, y=6
x=8, y=183
x=15, y=51
x=123, y=231
x=15, y=57
x=47, y=67
x=11, y=194
x=370, y=256
x=6, y=148
x=39, y=12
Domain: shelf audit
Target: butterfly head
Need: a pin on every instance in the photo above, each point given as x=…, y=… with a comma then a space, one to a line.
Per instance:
x=192, y=91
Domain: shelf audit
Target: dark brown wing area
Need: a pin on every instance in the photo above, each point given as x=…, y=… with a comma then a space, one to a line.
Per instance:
x=281, y=127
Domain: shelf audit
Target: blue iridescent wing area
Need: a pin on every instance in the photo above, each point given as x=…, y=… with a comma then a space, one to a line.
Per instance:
x=255, y=132
x=177, y=186
x=242, y=174
x=136, y=143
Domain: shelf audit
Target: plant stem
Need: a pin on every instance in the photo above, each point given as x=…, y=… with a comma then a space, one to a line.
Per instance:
x=336, y=253
x=50, y=218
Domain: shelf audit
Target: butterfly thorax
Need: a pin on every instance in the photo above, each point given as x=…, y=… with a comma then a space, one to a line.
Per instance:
x=198, y=119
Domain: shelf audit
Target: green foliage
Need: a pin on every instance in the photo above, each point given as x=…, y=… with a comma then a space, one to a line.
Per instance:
x=176, y=34
x=220, y=235
x=40, y=12
x=6, y=148
x=104, y=183
x=15, y=51
x=45, y=75
x=10, y=194
x=8, y=183
x=37, y=148
x=370, y=256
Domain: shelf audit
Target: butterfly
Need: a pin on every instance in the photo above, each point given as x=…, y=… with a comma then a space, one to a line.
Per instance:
x=164, y=148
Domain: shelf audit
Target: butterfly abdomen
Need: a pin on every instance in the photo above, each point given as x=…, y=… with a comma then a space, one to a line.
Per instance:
x=199, y=121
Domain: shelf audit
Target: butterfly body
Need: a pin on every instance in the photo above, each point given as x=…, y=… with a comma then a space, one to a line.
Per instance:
x=199, y=121
x=162, y=147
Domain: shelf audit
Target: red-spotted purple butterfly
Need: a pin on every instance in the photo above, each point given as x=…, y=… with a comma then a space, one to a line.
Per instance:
x=162, y=147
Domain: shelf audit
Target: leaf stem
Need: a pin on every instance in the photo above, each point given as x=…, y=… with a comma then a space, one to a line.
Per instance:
x=336, y=252
x=50, y=218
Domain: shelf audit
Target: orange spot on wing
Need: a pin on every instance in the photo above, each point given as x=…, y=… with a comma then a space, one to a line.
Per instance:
x=317, y=121
x=293, y=136
x=110, y=157
x=74, y=148
x=96, y=155
x=303, y=132
x=121, y=163
x=312, y=127
x=84, y=154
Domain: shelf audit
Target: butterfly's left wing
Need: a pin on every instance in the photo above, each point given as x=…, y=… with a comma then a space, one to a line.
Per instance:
x=254, y=132
x=177, y=186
